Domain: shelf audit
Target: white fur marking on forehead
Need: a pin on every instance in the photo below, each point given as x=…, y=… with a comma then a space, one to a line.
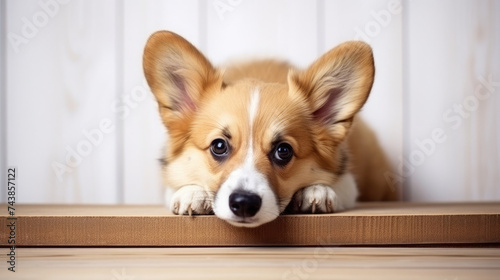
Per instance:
x=254, y=106
x=252, y=112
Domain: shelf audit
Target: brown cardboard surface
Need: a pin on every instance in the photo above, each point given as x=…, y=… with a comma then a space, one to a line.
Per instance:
x=367, y=224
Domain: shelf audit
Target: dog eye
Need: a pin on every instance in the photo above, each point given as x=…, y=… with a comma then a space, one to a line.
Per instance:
x=282, y=154
x=219, y=149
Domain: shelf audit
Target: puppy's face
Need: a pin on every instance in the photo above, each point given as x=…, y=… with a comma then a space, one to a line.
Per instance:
x=251, y=145
x=256, y=141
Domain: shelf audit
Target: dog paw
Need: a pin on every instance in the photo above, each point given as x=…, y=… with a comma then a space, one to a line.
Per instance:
x=191, y=200
x=314, y=199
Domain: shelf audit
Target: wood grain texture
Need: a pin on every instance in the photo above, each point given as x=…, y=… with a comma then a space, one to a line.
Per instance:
x=451, y=48
x=60, y=85
x=368, y=224
x=262, y=29
x=255, y=263
x=3, y=105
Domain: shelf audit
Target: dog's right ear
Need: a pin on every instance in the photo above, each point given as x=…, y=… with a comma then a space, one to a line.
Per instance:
x=179, y=76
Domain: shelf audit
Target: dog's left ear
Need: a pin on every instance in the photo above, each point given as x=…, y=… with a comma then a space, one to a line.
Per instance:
x=336, y=85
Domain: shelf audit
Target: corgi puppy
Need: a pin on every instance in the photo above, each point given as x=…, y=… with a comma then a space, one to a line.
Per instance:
x=262, y=138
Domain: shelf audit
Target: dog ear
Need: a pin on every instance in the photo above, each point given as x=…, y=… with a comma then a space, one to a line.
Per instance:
x=336, y=85
x=178, y=75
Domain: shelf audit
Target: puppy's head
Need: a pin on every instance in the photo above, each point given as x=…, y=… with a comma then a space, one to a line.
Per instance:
x=251, y=144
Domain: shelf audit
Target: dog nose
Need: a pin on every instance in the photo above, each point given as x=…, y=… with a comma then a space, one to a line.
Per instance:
x=244, y=204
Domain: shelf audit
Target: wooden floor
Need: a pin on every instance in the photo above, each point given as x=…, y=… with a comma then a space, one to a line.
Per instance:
x=254, y=263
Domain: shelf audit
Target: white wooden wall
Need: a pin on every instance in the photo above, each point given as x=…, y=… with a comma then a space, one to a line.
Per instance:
x=76, y=101
x=451, y=47
x=2, y=106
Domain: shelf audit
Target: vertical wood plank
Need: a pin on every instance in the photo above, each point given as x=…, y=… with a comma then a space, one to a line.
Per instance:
x=3, y=106
x=144, y=134
x=60, y=85
x=119, y=64
x=453, y=51
x=242, y=30
x=378, y=23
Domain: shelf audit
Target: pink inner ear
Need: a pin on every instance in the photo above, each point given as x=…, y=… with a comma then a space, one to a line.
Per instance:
x=188, y=102
x=326, y=113
x=183, y=100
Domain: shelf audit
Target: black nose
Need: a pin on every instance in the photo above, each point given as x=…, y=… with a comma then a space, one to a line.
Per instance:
x=244, y=204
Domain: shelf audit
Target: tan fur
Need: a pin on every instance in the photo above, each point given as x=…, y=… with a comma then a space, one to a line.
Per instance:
x=165, y=65
x=290, y=106
x=367, y=159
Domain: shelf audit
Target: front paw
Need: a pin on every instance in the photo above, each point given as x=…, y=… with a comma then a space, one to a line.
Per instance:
x=190, y=200
x=314, y=199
